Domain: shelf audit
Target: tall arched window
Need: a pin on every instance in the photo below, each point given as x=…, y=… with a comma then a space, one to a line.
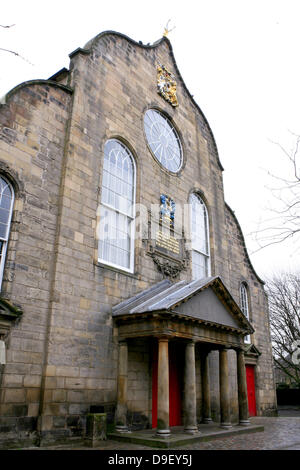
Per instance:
x=199, y=237
x=245, y=305
x=6, y=207
x=116, y=241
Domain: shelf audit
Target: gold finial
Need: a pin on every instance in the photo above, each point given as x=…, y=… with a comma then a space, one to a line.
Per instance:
x=166, y=30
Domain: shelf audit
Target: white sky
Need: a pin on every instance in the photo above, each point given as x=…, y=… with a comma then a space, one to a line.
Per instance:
x=239, y=58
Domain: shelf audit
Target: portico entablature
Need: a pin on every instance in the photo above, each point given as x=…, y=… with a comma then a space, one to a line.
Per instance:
x=172, y=326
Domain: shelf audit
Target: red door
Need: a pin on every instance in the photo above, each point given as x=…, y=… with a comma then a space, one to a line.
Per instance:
x=250, y=375
x=175, y=374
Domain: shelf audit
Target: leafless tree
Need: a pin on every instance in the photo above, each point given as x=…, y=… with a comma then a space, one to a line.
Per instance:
x=9, y=50
x=284, y=307
x=284, y=220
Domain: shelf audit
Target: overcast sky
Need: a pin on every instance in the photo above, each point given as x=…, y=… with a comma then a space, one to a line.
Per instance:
x=239, y=58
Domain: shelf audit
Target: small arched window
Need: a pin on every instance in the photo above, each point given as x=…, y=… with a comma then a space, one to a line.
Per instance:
x=199, y=237
x=245, y=305
x=6, y=207
x=116, y=241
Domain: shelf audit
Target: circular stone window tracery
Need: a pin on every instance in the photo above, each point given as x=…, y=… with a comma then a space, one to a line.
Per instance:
x=163, y=140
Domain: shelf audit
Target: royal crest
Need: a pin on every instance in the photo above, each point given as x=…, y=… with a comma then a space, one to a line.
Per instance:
x=167, y=210
x=166, y=85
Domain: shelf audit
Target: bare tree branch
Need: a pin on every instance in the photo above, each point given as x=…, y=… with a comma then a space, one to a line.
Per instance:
x=10, y=51
x=285, y=223
x=15, y=53
x=284, y=309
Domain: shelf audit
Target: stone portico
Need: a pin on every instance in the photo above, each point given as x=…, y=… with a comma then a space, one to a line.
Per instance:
x=199, y=317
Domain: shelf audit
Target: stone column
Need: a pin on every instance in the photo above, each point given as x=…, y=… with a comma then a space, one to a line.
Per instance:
x=206, y=408
x=121, y=411
x=190, y=418
x=163, y=388
x=242, y=389
x=224, y=390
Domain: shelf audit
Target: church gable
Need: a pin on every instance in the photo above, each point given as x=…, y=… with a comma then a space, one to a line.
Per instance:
x=118, y=62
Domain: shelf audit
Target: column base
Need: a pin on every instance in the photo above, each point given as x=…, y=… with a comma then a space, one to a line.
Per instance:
x=93, y=442
x=120, y=428
x=191, y=430
x=207, y=421
x=163, y=432
x=226, y=425
x=244, y=422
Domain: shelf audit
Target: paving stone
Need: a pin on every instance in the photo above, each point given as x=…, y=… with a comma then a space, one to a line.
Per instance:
x=278, y=434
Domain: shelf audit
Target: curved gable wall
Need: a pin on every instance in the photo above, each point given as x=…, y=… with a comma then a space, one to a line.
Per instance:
x=132, y=48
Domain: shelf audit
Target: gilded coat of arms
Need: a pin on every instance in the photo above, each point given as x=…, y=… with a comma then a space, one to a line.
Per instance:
x=166, y=85
x=167, y=210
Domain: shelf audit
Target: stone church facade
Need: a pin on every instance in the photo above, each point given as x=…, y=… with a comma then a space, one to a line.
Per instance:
x=109, y=307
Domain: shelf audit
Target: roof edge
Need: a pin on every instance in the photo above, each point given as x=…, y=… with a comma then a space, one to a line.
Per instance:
x=244, y=243
x=62, y=73
x=217, y=280
x=87, y=49
x=14, y=90
x=144, y=292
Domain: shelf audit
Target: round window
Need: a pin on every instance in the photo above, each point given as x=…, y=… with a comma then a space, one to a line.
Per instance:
x=163, y=140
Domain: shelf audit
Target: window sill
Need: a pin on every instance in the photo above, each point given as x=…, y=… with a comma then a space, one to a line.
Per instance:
x=116, y=270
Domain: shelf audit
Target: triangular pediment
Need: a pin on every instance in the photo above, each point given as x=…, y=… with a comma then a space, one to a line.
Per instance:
x=206, y=305
x=251, y=350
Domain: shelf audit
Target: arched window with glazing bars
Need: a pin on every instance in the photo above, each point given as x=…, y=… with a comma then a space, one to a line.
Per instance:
x=116, y=238
x=199, y=237
x=6, y=208
x=245, y=305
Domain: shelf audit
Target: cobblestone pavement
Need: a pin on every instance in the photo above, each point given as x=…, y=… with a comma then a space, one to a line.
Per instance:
x=289, y=411
x=280, y=433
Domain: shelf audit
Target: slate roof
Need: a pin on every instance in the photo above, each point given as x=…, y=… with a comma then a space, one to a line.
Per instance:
x=161, y=296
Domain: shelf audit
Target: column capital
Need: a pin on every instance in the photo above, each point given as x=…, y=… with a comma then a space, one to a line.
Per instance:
x=226, y=348
x=190, y=342
x=163, y=338
x=204, y=352
x=239, y=349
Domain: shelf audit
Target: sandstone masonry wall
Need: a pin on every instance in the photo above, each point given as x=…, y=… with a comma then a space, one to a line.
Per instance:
x=62, y=356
